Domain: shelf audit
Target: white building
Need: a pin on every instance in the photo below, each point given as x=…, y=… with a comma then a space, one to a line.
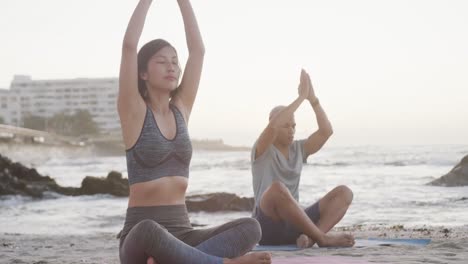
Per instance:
x=48, y=97
x=4, y=111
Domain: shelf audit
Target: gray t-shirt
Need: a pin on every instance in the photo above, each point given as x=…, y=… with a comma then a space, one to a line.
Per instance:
x=273, y=166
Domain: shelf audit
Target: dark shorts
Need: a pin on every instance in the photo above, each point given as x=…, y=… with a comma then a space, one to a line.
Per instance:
x=280, y=232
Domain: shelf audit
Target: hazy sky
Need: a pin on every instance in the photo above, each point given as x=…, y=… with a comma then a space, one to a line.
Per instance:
x=386, y=72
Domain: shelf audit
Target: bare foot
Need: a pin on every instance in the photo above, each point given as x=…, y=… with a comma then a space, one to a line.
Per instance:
x=303, y=241
x=337, y=240
x=151, y=261
x=252, y=258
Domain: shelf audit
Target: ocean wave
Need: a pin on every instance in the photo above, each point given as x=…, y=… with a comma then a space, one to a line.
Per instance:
x=333, y=164
x=245, y=165
x=240, y=164
x=12, y=200
x=366, y=163
x=73, y=162
x=425, y=203
x=443, y=202
x=398, y=163
x=105, y=221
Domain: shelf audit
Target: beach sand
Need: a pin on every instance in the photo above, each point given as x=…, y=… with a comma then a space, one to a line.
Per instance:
x=449, y=245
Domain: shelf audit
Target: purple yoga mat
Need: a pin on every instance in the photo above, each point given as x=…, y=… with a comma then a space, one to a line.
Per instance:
x=318, y=260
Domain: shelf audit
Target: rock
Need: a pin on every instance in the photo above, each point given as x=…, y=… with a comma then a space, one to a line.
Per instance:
x=114, y=184
x=218, y=202
x=458, y=176
x=16, y=179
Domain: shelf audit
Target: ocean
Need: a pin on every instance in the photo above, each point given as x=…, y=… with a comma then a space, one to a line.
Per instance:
x=389, y=185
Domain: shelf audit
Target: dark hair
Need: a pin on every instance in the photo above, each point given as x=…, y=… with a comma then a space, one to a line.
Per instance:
x=144, y=55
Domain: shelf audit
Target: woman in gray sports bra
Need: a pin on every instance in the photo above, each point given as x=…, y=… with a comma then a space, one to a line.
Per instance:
x=154, y=110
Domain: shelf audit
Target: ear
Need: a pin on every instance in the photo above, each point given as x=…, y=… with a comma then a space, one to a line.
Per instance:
x=144, y=76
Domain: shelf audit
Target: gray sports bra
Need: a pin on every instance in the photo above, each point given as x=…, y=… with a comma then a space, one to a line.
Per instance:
x=153, y=156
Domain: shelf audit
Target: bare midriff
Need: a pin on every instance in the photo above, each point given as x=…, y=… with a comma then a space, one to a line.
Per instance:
x=164, y=191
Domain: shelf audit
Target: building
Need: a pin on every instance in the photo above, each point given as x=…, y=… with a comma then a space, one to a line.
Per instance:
x=46, y=98
x=4, y=111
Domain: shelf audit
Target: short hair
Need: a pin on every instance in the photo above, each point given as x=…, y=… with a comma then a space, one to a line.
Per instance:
x=276, y=110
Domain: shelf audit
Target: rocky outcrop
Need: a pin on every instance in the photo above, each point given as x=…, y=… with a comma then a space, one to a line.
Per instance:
x=16, y=179
x=114, y=184
x=219, y=202
x=458, y=176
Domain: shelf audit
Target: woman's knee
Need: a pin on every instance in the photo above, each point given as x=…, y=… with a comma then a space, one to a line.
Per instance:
x=250, y=233
x=147, y=225
x=139, y=240
x=252, y=228
x=148, y=231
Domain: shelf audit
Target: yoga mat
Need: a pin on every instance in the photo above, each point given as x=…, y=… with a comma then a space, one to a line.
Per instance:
x=276, y=248
x=318, y=260
x=371, y=242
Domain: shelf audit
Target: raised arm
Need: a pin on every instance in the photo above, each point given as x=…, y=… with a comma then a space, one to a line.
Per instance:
x=269, y=134
x=316, y=141
x=187, y=91
x=130, y=105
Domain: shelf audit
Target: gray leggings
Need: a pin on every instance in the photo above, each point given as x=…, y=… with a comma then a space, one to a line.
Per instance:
x=165, y=233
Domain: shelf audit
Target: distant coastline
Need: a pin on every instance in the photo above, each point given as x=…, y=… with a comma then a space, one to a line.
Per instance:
x=115, y=147
x=107, y=145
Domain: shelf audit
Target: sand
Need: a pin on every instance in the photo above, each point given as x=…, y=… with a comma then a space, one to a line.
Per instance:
x=449, y=245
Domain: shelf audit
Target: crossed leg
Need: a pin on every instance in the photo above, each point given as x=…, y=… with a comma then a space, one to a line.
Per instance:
x=278, y=204
x=229, y=241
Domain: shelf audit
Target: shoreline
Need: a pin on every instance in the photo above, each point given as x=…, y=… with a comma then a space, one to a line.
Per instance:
x=445, y=247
